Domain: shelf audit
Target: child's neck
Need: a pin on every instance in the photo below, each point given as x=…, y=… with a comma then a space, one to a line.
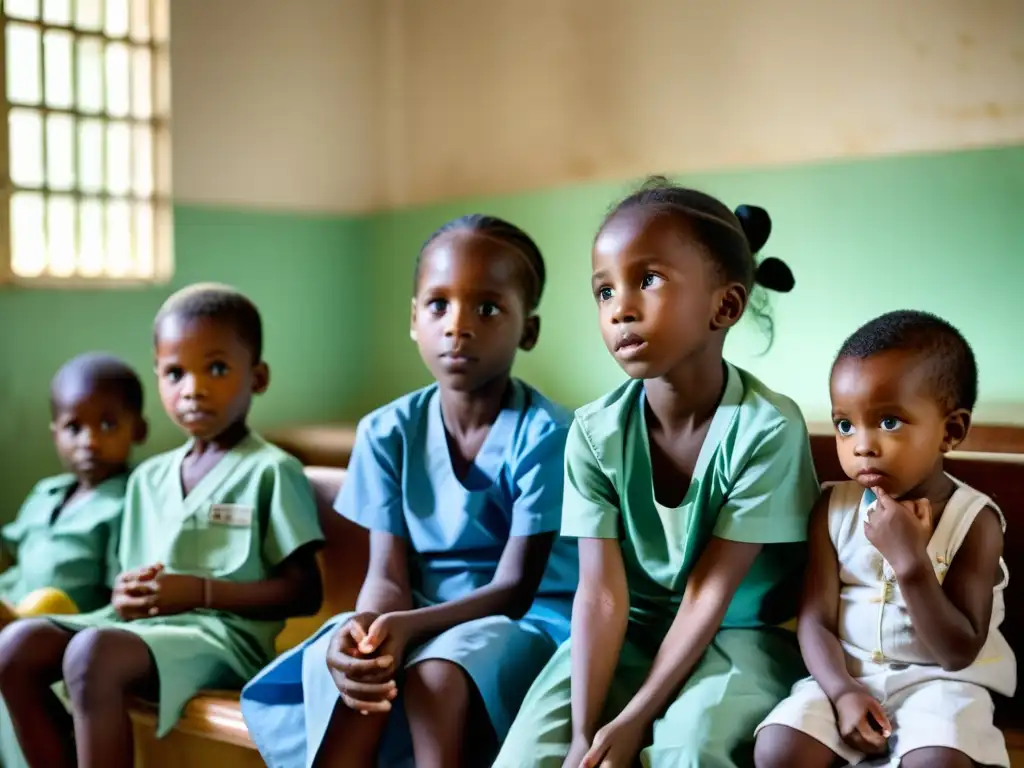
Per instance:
x=688, y=395
x=937, y=488
x=85, y=484
x=468, y=412
x=223, y=442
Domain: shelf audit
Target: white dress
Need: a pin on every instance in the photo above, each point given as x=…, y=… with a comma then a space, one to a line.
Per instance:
x=928, y=706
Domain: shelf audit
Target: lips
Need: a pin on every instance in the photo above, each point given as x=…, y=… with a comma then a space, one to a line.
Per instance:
x=630, y=343
x=870, y=476
x=457, y=357
x=195, y=416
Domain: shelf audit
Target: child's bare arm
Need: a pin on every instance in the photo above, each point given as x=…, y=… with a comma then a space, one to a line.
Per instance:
x=386, y=586
x=817, y=629
x=509, y=593
x=600, y=611
x=293, y=589
x=952, y=618
x=709, y=590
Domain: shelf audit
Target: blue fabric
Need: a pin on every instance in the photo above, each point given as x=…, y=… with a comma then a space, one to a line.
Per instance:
x=400, y=481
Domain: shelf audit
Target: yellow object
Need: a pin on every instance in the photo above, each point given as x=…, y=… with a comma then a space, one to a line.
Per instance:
x=46, y=601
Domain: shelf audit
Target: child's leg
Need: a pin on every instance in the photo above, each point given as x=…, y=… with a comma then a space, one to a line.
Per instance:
x=102, y=668
x=352, y=739
x=743, y=674
x=779, y=746
x=31, y=653
x=439, y=702
x=936, y=757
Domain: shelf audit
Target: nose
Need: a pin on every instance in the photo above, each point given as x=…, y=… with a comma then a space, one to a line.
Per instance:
x=625, y=309
x=459, y=322
x=89, y=438
x=192, y=388
x=866, y=444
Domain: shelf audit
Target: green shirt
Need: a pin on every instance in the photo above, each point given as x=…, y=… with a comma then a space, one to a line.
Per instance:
x=76, y=552
x=754, y=481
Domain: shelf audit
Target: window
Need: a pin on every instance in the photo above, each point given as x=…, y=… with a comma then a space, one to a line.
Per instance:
x=84, y=142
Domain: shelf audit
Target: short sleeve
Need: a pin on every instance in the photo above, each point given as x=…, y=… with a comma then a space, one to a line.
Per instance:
x=590, y=505
x=112, y=561
x=537, y=481
x=371, y=495
x=771, y=500
x=292, y=517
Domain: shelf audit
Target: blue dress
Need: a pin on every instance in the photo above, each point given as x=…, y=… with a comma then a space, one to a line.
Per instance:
x=400, y=481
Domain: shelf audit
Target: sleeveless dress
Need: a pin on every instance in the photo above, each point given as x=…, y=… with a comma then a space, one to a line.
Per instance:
x=928, y=706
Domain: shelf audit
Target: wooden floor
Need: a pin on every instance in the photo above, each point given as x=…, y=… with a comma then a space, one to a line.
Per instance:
x=179, y=749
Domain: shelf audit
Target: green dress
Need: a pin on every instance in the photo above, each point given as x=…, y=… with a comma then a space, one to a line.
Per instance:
x=246, y=516
x=76, y=553
x=754, y=481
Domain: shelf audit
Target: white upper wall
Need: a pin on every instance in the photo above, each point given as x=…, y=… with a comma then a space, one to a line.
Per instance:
x=273, y=103
x=349, y=105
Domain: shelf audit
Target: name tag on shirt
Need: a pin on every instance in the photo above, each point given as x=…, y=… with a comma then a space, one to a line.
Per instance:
x=231, y=514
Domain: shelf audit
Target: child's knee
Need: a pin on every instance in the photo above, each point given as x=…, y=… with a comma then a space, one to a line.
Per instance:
x=779, y=746
x=25, y=649
x=438, y=679
x=936, y=757
x=100, y=663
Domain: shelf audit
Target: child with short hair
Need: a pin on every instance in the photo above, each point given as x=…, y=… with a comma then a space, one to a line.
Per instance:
x=61, y=550
x=688, y=489
x=904, y=592
x=217, y=549
x=468, y=589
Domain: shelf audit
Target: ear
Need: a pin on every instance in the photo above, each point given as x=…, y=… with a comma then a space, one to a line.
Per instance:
x=412, y=321
x=531, y=332
x=260, y=378
x=732, y=300
x=53, y=428
x=958, y=424
x=141, y=431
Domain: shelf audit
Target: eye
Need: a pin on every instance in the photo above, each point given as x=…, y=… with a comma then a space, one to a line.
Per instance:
x=651, y=280
x=174, y=374
x=604, y=293
x=437, y=306
x=218, y=369
x=108, y=425
x=72, y=427
x=890, y=424
x=489, y=309
x=844, y=427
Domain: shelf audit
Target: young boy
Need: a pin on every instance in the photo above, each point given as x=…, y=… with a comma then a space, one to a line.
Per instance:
x=61, y=550
x=904, y=591
x=217, y=550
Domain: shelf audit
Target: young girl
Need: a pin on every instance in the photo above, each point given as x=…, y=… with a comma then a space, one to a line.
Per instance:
x=688, y=489
x=217, y=549
x=468, y=589
x=904, y=593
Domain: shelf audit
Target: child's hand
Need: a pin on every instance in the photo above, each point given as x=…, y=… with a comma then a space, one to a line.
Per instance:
x=387, y=636
x=900, y=530
x=363, y=680
x=617, y=744
x=173, y=593
x=578, y=749
x=131, y=591
x=862, y=722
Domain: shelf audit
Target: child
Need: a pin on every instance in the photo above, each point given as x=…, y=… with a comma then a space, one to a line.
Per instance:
x=61, y=550
x=460, y=486
x=904, y=592
x=688, y=489
x=217, y=549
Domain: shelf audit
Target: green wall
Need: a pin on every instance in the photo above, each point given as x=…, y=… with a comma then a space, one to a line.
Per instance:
x=939, y=232
x=304, y=274
x=943, y=233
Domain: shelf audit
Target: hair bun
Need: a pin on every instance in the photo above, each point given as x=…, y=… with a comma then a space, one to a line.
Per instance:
x=757, y=225
x=775, y=275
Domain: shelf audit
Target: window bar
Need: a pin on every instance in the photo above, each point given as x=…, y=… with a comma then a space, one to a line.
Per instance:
x=44, y=150
x=6, y=240
x=75, y=119
x=105, y=121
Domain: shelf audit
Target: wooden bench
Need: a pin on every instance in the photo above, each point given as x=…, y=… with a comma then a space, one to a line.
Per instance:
x=994, y=464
